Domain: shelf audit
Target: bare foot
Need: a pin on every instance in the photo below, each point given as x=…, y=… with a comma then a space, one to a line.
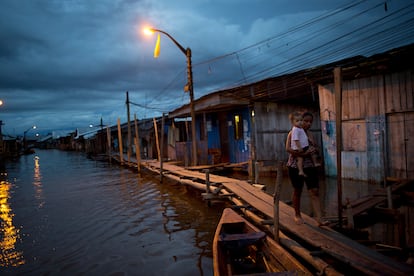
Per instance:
x=302, y=174
x=322, y=222
x=299, y=220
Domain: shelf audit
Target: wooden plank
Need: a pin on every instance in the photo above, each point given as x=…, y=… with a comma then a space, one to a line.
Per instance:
x=203, y=167
x=364, y=102
x=368, y=204
x=347, y=98
x=331, y=242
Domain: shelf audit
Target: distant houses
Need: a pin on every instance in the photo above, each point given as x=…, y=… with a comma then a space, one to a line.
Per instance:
x=249, y=124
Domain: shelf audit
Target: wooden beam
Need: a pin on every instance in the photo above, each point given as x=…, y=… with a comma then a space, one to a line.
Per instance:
x=121, y=151
x=338, y=121
x=137, y=145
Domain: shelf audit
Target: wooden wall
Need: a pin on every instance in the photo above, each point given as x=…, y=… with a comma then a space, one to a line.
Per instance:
x=377, y=126
x=272, y=126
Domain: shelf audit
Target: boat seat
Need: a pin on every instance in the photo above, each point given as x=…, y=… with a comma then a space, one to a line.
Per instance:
x=241, y=240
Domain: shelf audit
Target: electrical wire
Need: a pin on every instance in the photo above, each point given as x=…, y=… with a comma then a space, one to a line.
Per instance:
x=258, y=61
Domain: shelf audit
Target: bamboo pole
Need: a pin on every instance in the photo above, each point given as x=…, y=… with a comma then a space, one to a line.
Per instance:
x=137, y=145
x=121, y=156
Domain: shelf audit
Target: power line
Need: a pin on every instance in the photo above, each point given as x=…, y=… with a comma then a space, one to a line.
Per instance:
x=272, y=57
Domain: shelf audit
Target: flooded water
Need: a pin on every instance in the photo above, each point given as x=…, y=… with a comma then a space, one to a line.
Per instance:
x=68, y=215
x=62, y=213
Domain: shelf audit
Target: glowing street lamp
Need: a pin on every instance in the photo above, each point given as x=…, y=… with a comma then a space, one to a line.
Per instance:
x=187, y=88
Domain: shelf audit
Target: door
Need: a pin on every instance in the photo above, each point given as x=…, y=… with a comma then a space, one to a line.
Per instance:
x=224, y=137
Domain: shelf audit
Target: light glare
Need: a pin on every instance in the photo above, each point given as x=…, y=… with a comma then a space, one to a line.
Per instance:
x=148, y=31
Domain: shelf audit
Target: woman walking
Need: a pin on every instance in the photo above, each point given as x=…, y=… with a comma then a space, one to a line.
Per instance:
x=312, y=178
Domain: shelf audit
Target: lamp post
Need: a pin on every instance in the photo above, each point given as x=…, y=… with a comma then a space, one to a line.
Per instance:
x=187, y=88
x=24, y=137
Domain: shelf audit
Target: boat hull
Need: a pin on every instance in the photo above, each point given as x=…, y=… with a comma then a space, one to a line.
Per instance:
x=241, y=248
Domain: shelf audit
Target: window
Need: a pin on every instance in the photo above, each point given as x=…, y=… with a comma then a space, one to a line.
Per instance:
x=238, y=127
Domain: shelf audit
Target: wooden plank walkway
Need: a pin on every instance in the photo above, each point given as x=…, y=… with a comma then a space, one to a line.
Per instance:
x=346, y=250
x=376, y=198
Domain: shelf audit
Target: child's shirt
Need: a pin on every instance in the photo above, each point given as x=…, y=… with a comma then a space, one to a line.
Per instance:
x=298, y=134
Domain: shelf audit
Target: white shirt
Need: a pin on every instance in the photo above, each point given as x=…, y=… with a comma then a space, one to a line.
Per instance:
x=298, y=134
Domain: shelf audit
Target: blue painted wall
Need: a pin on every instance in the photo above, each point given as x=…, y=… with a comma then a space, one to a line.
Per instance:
x=239, y=150
x=213, y=136
x=361, y=165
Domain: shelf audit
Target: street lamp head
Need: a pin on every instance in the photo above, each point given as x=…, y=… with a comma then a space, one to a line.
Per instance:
x=149, y=31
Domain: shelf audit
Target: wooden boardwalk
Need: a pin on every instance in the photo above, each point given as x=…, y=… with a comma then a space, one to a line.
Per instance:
x=340, y=247
x=376, y=198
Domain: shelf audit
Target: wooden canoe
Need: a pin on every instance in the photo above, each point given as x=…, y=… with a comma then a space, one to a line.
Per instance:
x=241, y=248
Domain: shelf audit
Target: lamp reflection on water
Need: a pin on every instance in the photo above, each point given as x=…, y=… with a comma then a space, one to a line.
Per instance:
x=37, y=183
x=9, y=235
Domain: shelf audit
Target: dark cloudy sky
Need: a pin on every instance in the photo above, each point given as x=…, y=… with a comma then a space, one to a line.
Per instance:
x=65, y=64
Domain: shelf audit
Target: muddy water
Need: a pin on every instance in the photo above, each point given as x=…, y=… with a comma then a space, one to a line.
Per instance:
x=64, y=214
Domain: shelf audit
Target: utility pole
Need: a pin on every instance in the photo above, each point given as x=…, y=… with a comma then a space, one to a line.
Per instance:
x=188, y=87
x=192, y=112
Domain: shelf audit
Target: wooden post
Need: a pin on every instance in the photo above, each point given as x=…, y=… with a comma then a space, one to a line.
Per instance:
x=208, y=186
x=256, y=172
x=338, y=123
x=186, y=154
x=349, y=215
x=385, y=168
x=276, y=196
x=129, y=129
x=252, y=160
x=121, y=151
x=137, y=145
x=162, y=147
x=109, y=143
x=156, y=139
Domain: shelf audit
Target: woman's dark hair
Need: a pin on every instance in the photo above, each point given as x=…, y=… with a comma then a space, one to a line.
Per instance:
x=307, y=113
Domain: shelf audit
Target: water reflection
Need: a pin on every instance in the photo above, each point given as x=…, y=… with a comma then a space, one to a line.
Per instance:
x=185, y=215
x=8, y=233
x=37, y=182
